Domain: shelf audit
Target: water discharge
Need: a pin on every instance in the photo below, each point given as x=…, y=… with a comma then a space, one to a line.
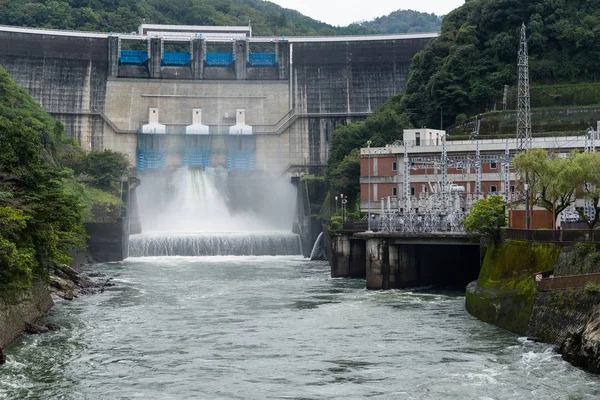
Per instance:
x=194, y=212
x=275, y=328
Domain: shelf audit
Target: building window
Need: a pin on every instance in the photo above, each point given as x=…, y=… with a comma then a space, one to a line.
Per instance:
x=493, y=189
x=417, y=139
x=424, y=189
x=512, y=188
x=412, y=191
x=394, y=192
x=493, y=165
x=394, y=166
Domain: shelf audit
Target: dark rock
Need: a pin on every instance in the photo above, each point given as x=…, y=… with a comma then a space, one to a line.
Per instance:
x=2, y=357
x=582, y=348
x=52, y=327
x=36, y=328
x=62, y=284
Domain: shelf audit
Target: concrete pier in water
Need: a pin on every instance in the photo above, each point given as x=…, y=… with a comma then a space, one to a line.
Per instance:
x=395, y=261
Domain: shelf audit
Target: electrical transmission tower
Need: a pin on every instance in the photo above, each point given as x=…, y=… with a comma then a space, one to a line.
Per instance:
x=524, y=97
x=524, y=116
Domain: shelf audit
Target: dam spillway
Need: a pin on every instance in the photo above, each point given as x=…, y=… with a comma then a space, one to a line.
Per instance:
x=212, y=212
x=215, y=244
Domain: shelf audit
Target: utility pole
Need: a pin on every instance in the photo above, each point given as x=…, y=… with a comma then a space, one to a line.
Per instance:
x=369, y=185
x=524, y=115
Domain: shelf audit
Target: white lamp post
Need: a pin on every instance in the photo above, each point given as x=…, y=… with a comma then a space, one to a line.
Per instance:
x=369, y=188
x=336, y=204
x=342, y=202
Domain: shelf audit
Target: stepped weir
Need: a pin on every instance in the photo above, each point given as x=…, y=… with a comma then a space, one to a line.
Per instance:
x=213, y=212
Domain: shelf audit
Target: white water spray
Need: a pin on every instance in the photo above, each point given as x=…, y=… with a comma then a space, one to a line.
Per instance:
x=210, y=212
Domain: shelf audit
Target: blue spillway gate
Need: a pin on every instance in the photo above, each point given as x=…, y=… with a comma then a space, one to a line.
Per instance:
x=262, y=60
x=218, y=59
x=133, y=57
x=241, y=155
x=176, y=58
x=197, y=152
x=151, y=153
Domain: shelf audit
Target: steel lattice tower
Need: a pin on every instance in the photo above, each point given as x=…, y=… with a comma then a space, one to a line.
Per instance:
x=524, y=97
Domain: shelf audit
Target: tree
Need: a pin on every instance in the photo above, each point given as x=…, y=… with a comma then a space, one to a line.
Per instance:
x=487, y=217
x=590, y=190
x=553, y=179
x=346, y=176
x=106, y=168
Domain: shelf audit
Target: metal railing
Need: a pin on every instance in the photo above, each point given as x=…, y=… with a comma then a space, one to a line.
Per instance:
x=554, y=236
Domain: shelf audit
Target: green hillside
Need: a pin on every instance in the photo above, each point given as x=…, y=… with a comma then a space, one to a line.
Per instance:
x=465, y=69
x=404, y=21
x=266, y=18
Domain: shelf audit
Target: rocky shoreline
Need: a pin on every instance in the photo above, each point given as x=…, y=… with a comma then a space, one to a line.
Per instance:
x=65, y=284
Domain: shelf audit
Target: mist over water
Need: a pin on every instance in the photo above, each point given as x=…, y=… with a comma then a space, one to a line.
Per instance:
x=194, y=212
x=213, y=200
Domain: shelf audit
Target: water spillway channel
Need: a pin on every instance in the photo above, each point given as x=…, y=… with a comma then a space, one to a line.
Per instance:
x=215, y=244
x=275, y=328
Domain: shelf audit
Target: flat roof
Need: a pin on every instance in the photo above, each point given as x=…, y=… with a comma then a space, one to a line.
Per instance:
x=195, y=28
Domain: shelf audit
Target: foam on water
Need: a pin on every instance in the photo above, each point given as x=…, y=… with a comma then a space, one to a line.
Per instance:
x=211, y=244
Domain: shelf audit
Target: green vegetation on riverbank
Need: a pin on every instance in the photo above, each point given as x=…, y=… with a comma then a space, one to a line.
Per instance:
x=45, y=196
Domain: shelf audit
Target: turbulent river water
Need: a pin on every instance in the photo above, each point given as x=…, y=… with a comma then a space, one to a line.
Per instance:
x=275, y=328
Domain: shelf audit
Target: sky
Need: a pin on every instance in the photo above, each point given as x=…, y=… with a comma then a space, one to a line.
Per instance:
x=344, y=12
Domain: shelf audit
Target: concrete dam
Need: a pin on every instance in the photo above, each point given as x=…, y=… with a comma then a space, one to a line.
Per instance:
x=215, y=99
x=214, y=121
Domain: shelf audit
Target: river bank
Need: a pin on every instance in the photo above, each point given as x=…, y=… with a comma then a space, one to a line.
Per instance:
x=23, y=312
x=275, y=326
x=506, y=295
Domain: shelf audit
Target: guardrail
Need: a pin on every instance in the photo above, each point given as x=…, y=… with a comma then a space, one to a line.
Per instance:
x=359, y=226
x=554, y=236
x=546, y=282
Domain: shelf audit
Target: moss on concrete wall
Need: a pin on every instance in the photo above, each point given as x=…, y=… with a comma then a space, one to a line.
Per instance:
x=504, y=293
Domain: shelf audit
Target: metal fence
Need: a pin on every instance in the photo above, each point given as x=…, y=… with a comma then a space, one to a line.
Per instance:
x=359, y=226
x=554, y=236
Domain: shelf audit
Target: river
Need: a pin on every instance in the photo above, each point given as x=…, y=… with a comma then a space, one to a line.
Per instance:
x=275, y=328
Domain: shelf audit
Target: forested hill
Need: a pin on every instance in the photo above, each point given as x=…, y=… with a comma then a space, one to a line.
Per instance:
x=465, y=69
x=266, y=18
x=404, y=21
